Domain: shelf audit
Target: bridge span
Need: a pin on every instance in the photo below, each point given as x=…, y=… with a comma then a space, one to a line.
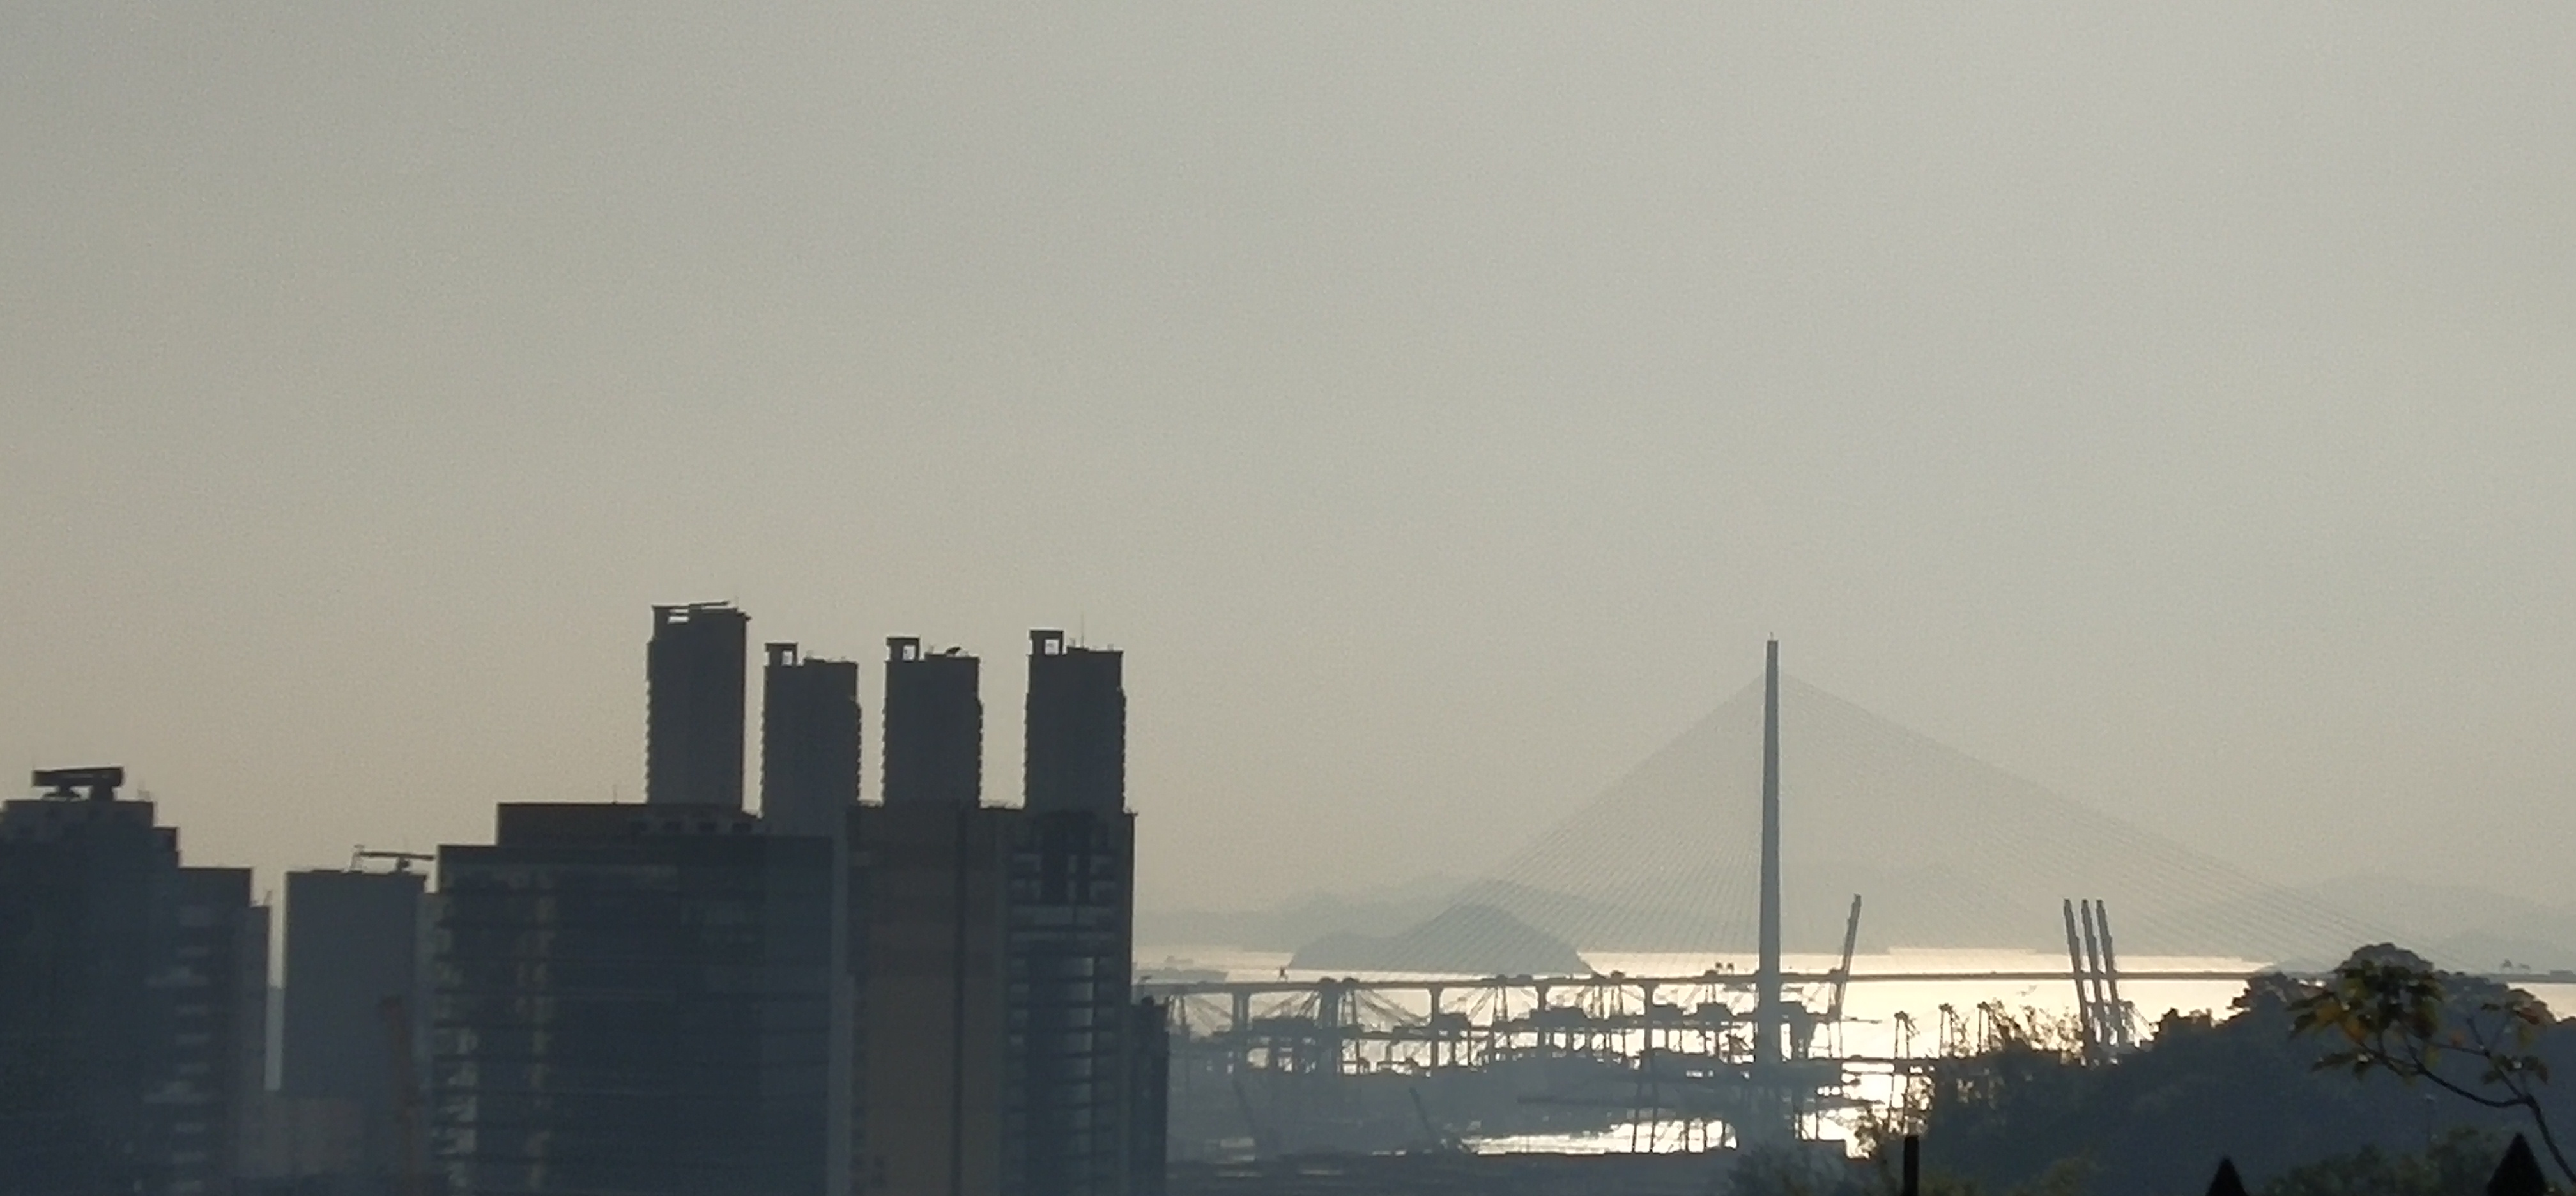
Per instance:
x=1147, y=985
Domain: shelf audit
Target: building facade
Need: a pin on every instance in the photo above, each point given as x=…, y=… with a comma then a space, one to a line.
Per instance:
x=355, y=1014
x=997, y=1044
x=132, y=998
x=217, y=984
x=1077, y=727
x=1078, y=1113
x=934, y=727
x=1149, y=1077
x=929, y=886
x=923, y=994
x=694, y=677
x=1002, y=1048
x=632, y=1000
x=809, y=741
x=1067, y=1104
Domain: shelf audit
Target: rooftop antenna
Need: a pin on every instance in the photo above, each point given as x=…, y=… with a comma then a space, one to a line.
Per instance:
x=97, y=783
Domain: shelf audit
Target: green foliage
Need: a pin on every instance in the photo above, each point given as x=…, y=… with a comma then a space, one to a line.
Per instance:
x=1802, y=1171
x=2458, y=1164
x=2387, y=1010
x=2028, y=1114
x=2065, y=1177
x=2396, y=1013
x=1793, y=1170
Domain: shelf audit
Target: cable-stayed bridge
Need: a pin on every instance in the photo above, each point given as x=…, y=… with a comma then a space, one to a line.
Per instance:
x=1948, y=850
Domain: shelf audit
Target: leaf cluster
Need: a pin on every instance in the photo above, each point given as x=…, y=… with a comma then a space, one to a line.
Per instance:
x=2156, y=1121
x=2457, y=1163
x=2387, y=1010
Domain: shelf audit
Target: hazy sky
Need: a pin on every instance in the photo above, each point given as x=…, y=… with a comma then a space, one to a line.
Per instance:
x=2176, y=404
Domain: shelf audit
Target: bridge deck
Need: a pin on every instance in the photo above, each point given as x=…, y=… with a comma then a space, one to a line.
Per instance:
x=1181, y=988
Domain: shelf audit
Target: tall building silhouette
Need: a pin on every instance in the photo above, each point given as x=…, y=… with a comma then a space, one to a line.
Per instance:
x=354, y=946
x=1075, y=1049
x=809, y=741
x=132, y=998
x=694, y=670
x=918, y=994
x=633, y=1000
x=930, y=910
x=934, y=727
x=1077, y=727
x=998, y=1047
x=1070, y=1049
x=1001, y=1048
x=219, y=1034
x=1149, y=1087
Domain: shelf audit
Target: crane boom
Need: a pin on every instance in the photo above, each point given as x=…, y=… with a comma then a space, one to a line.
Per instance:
x=1842, y=975
x=402, y=860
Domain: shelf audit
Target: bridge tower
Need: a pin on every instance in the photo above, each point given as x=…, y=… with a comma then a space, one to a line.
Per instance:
x=1770, y=1088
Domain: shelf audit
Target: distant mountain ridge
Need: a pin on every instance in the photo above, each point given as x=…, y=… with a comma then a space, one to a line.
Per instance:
x=1463, y=940
x=2462, y=927
x=1301, y=919
x=2457, y=926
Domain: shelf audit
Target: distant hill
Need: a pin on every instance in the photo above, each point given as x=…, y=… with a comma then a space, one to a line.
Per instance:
x=1467, y=940
x=1301, y=919
x=2457, y=926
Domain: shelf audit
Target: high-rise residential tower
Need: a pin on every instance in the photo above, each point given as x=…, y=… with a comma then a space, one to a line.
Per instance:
x=1073, y=1047
x=929, y=907
x=1001, y=1048
x=809, y=741
x=694, y=671
x=219, y=1027
x=96, y=876
x=1077, y=727
x=633, y=1000
x=354, y=942
x=1070, y=1051
x=934, y=727
x=132, y=998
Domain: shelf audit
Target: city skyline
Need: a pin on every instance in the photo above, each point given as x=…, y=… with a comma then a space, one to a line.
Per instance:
x=671, y=995
x=1757, y=598
x=2167, y=407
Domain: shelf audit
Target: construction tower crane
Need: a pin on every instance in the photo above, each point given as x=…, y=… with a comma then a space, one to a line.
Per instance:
x=402, y=860
x=1841, y=977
